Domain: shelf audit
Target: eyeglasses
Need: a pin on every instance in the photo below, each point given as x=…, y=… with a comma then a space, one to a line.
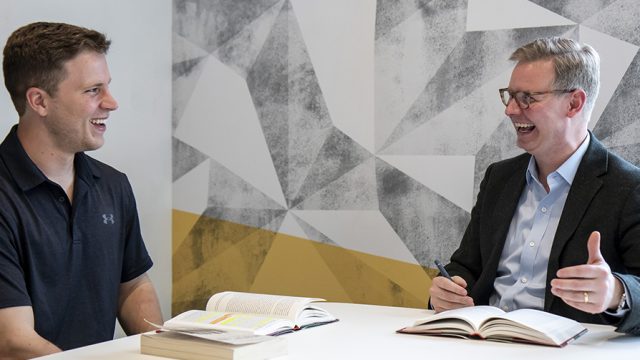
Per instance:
x=523, y=98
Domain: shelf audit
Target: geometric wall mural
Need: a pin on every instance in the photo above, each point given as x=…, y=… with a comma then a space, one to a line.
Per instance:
x=334, y=148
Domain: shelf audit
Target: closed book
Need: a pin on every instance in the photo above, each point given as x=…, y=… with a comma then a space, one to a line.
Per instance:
x=182, y=346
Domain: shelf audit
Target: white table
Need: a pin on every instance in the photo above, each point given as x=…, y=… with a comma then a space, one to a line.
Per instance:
x=368, y=332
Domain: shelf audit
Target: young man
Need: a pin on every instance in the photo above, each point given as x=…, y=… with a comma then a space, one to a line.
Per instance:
x=557, y=228
x=71, y=254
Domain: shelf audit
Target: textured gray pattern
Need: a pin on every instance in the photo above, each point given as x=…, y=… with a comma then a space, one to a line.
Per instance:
x=212, y=23
x=576, y=10
x=622, y=112
x=443, y=27
x=619, y=20
x=319, y=166
x=477, y=58
x=185, y=158
x=185, y=74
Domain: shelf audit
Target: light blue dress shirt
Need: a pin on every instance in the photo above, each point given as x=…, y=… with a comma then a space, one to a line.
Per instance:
x=522, y=271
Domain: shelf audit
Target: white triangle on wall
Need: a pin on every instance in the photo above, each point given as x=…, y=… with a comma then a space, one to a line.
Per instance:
x=485, y=15
x=220, y=121
x=450, y=176
x=339, y=36
x=184, y=49
x=191, y=191
x=291, y=227
x=364, y=231
x=612, y=68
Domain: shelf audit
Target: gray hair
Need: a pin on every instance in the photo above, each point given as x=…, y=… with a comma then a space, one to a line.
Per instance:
x=576, y=66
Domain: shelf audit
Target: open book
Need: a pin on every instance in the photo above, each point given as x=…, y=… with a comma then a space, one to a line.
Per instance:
x=491, y=323
x=255, y=313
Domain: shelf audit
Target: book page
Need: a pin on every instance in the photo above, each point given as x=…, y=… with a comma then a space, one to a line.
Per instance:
x=192, y=320
x=233, y=338
x=288, y=307
x=557, y=328
x=312, y=316
x=474, y=315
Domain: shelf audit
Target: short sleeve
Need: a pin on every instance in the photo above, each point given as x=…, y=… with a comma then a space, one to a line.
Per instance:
x=136, y=259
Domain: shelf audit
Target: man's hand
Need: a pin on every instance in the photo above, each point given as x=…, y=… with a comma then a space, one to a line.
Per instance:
x=590, y=287
x=447, y=294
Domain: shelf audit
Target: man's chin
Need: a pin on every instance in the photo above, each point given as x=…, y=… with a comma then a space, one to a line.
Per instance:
x=93, y=146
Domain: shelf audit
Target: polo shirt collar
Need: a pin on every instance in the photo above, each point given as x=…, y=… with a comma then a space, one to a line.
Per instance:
x=25, y=172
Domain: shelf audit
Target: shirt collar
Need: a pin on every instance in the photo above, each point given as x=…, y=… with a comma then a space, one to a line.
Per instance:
x=567, y=170
x=25, y=172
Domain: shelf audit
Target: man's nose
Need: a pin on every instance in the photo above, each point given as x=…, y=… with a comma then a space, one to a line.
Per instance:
x=512, y=108
x=109, y=102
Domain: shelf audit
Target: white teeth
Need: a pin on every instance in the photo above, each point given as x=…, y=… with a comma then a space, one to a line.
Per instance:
x=523, y=126
x=98, y=121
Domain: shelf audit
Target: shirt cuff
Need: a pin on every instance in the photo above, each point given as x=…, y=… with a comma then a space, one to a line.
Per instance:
x=619, y=313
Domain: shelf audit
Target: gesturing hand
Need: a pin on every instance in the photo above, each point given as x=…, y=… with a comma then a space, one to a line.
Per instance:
x=590, y=287
x=447, y=294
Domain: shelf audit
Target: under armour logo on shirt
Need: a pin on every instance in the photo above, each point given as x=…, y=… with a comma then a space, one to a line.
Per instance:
x=108, y=219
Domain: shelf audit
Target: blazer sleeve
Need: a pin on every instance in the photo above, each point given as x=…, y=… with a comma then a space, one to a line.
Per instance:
x=629, y=248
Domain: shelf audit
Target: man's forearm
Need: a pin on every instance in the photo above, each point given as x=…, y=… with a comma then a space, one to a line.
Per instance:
x=138, y=301
x=18, y=338
x=25, y=346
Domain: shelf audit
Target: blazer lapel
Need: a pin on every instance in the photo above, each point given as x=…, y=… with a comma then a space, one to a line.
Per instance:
x=584, y=187
x=505, y=207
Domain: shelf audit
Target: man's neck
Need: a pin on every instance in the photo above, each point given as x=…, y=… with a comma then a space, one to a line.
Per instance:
x=546, y=166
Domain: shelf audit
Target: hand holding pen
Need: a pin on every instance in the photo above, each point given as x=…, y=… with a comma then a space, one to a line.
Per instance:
x=448, y=292
x=443, y=271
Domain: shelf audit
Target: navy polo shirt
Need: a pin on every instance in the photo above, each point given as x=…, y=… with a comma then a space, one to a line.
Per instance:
x=67, y=260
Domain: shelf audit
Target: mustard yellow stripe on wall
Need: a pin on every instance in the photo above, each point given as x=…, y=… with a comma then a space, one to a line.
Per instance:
x=211, y=255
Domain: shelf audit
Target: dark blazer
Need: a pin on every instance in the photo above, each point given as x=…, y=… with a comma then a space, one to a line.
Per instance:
x=604, y=196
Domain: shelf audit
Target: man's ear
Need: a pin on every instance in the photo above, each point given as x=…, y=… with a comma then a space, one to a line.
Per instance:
x=38, y=101
x=576, y=102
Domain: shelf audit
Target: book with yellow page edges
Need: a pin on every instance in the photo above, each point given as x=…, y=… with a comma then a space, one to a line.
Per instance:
x=258, y=314
x=491, y=323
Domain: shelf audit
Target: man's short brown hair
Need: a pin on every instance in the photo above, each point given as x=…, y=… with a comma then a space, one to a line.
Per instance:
x=35, y=54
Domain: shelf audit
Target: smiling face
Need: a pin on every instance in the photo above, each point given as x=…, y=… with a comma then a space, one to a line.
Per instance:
x=77, y=113
x=544, y=129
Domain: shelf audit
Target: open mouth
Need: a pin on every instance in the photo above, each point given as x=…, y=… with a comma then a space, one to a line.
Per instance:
x=524, y=128
x=101, y=123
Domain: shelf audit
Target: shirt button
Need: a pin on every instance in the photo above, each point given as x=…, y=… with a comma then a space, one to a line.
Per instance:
x=61, y=199
x=532, y=243
x=523, y=280
x=544, y=209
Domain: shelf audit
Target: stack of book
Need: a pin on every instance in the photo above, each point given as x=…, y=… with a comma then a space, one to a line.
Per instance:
x=235, y=325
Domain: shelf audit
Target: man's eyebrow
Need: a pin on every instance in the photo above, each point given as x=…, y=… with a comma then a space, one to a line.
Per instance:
x=100, y=83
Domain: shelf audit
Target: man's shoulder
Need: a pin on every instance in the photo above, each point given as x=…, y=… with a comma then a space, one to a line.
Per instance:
x=621, y=168
x=102, y=169
x=511, y=164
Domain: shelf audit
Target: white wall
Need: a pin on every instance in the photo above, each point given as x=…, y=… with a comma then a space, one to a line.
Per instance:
x=138, y=140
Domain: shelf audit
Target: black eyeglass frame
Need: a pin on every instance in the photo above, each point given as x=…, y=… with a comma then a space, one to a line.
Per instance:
x=523, y=98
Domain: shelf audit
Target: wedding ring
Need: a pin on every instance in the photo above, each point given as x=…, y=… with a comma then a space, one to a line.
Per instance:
x=586, y=297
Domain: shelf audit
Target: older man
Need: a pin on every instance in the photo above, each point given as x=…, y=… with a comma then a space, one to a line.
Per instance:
x=557, y=228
